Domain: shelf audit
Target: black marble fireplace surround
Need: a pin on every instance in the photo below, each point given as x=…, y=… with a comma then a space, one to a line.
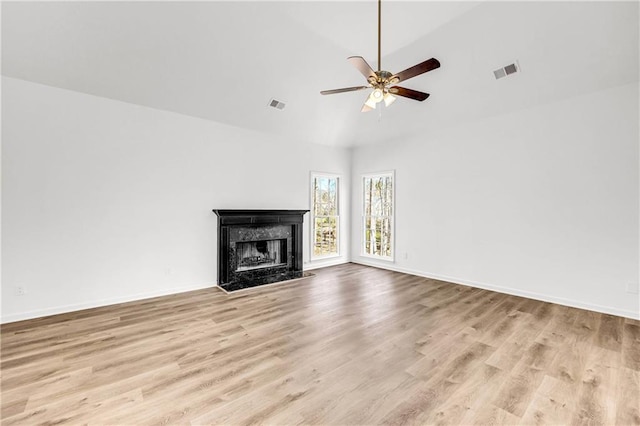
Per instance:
x=257, y=247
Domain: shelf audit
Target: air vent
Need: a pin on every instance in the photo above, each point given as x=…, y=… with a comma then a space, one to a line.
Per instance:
x=507, y=70
x=277, y=104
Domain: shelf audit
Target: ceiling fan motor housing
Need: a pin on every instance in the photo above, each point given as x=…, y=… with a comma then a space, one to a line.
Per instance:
x=381, y=79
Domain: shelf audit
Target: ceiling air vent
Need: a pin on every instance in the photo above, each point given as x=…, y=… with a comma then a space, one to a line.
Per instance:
x=507, y=70
x=276, y=104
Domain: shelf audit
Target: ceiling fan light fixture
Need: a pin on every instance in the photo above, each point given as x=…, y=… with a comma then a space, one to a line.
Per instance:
x=371, y=101
x=366, y=108
x=388, y=99
x=384, y=82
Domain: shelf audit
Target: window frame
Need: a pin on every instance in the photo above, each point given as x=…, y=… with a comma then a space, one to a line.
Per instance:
x=363, y=251
x=312, y=241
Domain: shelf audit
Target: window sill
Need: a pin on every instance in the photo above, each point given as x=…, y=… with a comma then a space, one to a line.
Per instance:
x=383, y=258
x=328, y=256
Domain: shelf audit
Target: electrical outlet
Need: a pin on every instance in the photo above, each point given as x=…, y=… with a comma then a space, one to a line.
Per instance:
x=21, y=290
x=632, y=288
x=405, y=255
x=169, y=271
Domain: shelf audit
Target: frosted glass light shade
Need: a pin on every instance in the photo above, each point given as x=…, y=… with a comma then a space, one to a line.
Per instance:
x=389, y=99
x=371, y=102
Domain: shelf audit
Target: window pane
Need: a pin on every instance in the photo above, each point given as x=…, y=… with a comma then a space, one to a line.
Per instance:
x=332, y=189
x=333, y=197
x=324, y=188
x=367, y=196
x=325, y=215
x=378, y=236
x=326, y=236
x=316, y=195
x=378, y=215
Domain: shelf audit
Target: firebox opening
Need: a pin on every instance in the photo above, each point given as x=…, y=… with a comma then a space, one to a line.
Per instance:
x=261, y=254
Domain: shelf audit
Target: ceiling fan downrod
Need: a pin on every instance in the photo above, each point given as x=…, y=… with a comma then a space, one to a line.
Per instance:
x=379, y=36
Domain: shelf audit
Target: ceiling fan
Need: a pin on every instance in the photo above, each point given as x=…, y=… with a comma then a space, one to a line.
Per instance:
x=383, y=82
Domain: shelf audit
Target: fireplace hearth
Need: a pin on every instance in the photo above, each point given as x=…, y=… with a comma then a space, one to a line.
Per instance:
x=257, y=247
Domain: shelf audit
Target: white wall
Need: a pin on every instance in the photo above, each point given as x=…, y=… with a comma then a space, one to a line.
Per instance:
x=105, y=201
x=540, y=202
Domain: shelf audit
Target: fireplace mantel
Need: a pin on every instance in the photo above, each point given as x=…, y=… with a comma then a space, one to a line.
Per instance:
x=247, y=217
x=238, y=229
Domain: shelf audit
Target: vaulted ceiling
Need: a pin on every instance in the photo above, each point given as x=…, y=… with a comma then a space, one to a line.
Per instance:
x=224, y=61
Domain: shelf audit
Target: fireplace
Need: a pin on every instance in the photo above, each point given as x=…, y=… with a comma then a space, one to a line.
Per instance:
x=257, y=247
x=260, y=254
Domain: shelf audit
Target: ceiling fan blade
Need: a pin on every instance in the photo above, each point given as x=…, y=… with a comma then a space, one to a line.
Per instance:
x=421, y=68
x=346, y=89
x=408, y=93
x=362, y=66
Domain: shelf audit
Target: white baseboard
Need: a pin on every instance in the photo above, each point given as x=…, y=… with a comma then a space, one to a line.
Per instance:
x=508, y=290
x=316, y=264
x=322, y=264
x=99, y=303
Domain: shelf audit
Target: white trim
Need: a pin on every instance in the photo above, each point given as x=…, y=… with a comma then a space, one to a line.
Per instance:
x=392, y=173
x=511, y=291
x=317, y=264
x=103, y=302
x=381, y=258
x=326, y=256
x=312, y=233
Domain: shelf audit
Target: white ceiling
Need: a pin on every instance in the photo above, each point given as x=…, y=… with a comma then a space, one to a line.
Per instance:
x=224, y=61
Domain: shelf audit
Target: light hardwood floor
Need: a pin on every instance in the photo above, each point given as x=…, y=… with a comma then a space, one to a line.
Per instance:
x=352, y=345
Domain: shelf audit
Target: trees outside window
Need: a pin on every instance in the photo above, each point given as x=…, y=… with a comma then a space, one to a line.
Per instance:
x=377, y=220
x=326, y=219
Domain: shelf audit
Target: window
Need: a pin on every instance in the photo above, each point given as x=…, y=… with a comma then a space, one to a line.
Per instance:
x=377, y=220
x=326, y=219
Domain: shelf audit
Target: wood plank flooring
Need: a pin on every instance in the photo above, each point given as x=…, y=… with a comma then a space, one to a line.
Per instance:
x=352, y=345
